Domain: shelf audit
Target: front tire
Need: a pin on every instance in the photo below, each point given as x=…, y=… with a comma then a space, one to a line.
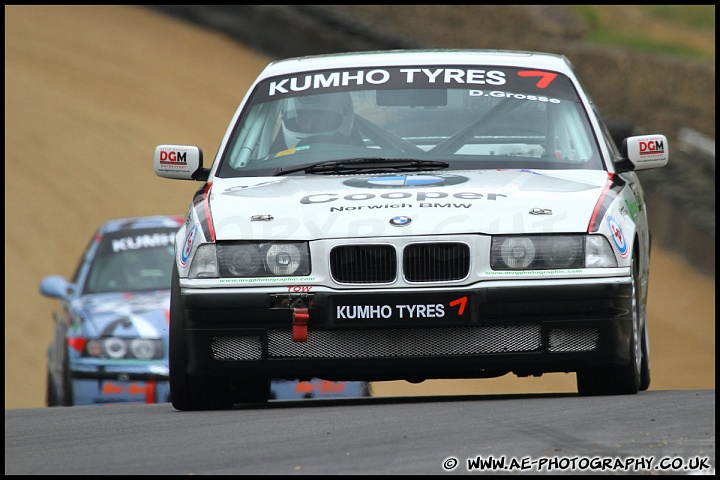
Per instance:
x=645, y=365
x=626, y=379
x=67, y=397
x=51, y=399
x=187, y=392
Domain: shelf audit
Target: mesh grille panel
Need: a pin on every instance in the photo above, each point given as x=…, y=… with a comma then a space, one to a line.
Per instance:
x=406, y=342
x=236, y=348
x=573, y=339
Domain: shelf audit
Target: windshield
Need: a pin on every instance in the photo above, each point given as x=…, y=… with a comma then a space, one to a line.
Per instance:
x=470, y=118
x=132, y=260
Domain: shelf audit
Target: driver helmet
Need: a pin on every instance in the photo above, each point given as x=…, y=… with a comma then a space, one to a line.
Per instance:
x=131, y=267
x=326, y=114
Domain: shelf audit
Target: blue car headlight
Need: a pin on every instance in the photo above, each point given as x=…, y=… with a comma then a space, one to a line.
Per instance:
x=124, y=348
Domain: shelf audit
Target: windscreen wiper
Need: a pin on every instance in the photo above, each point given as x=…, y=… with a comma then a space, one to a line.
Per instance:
x=374, y=165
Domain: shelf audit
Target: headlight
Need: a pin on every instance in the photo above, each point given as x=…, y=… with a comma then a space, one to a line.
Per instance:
x=124, y=348
x=143, y=348
x=243, y=260
x=115, y=347
x=268, y=259
x=544, y=252
x=517, y=252
x=284, y=259
x=204, y=263
x=598, y=252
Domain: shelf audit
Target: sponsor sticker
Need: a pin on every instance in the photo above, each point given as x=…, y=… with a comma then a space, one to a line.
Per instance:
x=393, y=311
x=138, y=242
x=188, y=245
x=395, y=181
x=618, y=237
x=517, y=83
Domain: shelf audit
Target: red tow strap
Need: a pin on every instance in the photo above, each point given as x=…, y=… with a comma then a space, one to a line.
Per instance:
x=299, y=322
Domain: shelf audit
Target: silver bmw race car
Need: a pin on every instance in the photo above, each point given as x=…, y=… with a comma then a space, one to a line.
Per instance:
x=411, y=215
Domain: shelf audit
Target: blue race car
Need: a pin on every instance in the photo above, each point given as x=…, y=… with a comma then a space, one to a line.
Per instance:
x=111, y=328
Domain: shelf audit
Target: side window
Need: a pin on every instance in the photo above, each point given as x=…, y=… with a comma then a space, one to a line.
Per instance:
x=255, y=139
x=87, y=251
x=609, y=139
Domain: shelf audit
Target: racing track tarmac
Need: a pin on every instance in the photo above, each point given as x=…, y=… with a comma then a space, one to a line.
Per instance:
x=368, y=436
x=90, y=91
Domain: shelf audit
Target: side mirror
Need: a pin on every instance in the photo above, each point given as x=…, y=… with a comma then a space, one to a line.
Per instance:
x=55, y=286
x=643, y=153
x=180, y=162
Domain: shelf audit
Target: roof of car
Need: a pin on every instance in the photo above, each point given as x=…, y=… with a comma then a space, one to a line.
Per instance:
x=150, y=221
x=388, y=58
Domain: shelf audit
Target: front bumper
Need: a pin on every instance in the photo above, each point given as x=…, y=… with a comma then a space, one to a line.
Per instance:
x=317, y=389
x=88, y=391
x=95, y=383
x=370, y=335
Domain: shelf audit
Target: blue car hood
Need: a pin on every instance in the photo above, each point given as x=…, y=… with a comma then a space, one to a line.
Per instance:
x=129, y=315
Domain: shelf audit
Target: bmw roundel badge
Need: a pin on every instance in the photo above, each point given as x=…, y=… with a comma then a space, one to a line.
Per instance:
x=400, y=221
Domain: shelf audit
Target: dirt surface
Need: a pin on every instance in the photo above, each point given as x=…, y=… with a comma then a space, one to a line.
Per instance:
x=89, y=93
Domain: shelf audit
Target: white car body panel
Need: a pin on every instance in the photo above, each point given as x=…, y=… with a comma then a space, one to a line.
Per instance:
x=490, y=202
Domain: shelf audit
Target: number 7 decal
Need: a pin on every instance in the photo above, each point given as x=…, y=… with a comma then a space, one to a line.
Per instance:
x=545, y=77
x=462, y=301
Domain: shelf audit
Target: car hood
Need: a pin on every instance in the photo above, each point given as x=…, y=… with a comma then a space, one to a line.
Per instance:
x=479, y=201
x=128, y=315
